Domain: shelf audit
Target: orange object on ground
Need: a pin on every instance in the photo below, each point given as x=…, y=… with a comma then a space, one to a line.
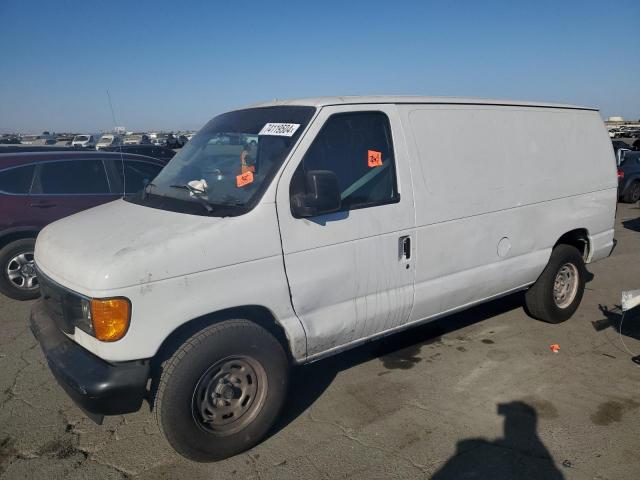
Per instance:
x=555, y=348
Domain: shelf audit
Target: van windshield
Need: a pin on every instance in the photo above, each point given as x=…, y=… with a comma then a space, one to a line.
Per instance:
x=227, y=166
x=81, y=138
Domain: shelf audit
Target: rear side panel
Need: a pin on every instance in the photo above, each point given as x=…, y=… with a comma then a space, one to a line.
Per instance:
x=495, y=188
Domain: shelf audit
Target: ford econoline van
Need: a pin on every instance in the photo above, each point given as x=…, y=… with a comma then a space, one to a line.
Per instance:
x=350, y=218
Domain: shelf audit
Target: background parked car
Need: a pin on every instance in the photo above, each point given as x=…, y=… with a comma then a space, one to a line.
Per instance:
x=65, y=139
x=44, y=139
x=629, y=177
x=154, y=151
x=137, y=139
x=85, y=141
x=168, y=140
x=33, y=148
x=39, y=188
x=10, y=140
x=109, y=140
x=620, y=144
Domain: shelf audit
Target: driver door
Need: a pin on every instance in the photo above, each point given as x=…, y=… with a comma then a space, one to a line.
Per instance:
x=351, y=273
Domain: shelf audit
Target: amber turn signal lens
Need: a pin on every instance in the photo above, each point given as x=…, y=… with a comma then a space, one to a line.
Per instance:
x=110, y=318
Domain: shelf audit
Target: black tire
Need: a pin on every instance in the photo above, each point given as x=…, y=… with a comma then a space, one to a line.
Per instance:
x=540, y=300
x=632, y=195
x=185, y=372
x=24, y=246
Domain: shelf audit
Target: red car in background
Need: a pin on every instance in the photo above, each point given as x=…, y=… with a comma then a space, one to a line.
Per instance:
x=39, y=188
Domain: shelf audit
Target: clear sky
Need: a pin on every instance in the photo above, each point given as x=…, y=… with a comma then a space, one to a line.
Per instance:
x=175, y=64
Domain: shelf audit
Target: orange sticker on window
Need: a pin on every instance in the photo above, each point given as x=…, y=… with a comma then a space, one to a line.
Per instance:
x=244, y=179
x=374, y=158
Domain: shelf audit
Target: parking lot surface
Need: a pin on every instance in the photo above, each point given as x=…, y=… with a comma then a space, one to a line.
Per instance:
x=479, y=394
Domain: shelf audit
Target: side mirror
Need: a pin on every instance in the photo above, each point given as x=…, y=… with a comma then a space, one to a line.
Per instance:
x=323, y=195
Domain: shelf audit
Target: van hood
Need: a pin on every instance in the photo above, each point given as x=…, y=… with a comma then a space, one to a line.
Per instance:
x=121, y=244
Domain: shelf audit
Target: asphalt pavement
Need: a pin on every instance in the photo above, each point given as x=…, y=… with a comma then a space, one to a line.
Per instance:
x=479, y=394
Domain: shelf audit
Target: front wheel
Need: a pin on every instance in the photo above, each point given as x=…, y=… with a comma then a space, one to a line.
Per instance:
x=558, y=291
x=18, y=276
x=222, y=390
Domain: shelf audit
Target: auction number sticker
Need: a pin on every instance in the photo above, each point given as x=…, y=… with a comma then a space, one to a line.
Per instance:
x=279, y=129
x=244, y=179
x=374, y=158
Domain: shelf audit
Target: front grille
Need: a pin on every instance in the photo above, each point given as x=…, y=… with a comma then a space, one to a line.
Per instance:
x=61, y=304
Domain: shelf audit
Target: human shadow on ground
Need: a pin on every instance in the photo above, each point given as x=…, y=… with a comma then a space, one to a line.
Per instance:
x=397, y=351
x=633, y=225
x=519, y=454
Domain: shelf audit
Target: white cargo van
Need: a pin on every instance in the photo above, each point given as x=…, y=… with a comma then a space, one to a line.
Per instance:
x=349, y=219
x=85, y=141
x=109, y=140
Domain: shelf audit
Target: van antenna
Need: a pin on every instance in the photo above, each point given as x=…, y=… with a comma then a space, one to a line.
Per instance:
x=115, y=124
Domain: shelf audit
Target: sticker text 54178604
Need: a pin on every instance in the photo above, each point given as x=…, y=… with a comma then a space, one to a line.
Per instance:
x=279, y=129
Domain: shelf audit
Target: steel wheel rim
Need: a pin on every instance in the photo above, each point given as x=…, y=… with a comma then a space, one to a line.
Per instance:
x=229, y=395
x=565, y=285
x=21, y=272
x=635, y=193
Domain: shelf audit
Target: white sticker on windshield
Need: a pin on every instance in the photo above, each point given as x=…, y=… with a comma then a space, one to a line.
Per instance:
x=279, y=129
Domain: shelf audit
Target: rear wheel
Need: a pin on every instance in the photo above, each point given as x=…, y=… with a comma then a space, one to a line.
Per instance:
x=18, y=276
x=222, y=390
x=558, y=291
x=633, y=193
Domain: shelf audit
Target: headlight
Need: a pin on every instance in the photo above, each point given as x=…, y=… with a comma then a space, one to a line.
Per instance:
x=83, y=321
x=107, y=319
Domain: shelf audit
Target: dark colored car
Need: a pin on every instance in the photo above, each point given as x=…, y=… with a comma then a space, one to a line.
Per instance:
x=39, y=188
x=618, y=144
x=10, y=140
x=34, y=148
x=629, y=177
x=155, y=151
x=171, y=141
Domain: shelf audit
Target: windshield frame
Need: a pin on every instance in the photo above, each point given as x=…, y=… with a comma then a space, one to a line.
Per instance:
x=303, y=114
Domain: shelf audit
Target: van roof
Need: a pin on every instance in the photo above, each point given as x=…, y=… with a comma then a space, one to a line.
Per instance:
x=408, y=99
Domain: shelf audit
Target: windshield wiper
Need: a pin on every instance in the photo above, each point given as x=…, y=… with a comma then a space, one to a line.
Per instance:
x=196, y=194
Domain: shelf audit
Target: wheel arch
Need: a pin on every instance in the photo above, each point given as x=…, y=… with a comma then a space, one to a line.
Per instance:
x=257, y=314
x=254, y=313
x=578, y=238
x=18, y=234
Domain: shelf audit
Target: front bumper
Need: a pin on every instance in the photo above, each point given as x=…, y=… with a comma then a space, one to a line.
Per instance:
x=98, y=387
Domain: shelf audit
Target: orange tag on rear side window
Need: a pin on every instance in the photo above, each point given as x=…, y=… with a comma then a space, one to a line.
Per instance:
x=244, y=179
x=374, y=158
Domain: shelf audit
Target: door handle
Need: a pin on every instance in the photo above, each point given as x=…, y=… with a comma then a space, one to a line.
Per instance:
x=42, y=204
x=405, y=247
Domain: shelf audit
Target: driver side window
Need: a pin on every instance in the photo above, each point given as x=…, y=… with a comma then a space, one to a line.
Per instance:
x=358, y=148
